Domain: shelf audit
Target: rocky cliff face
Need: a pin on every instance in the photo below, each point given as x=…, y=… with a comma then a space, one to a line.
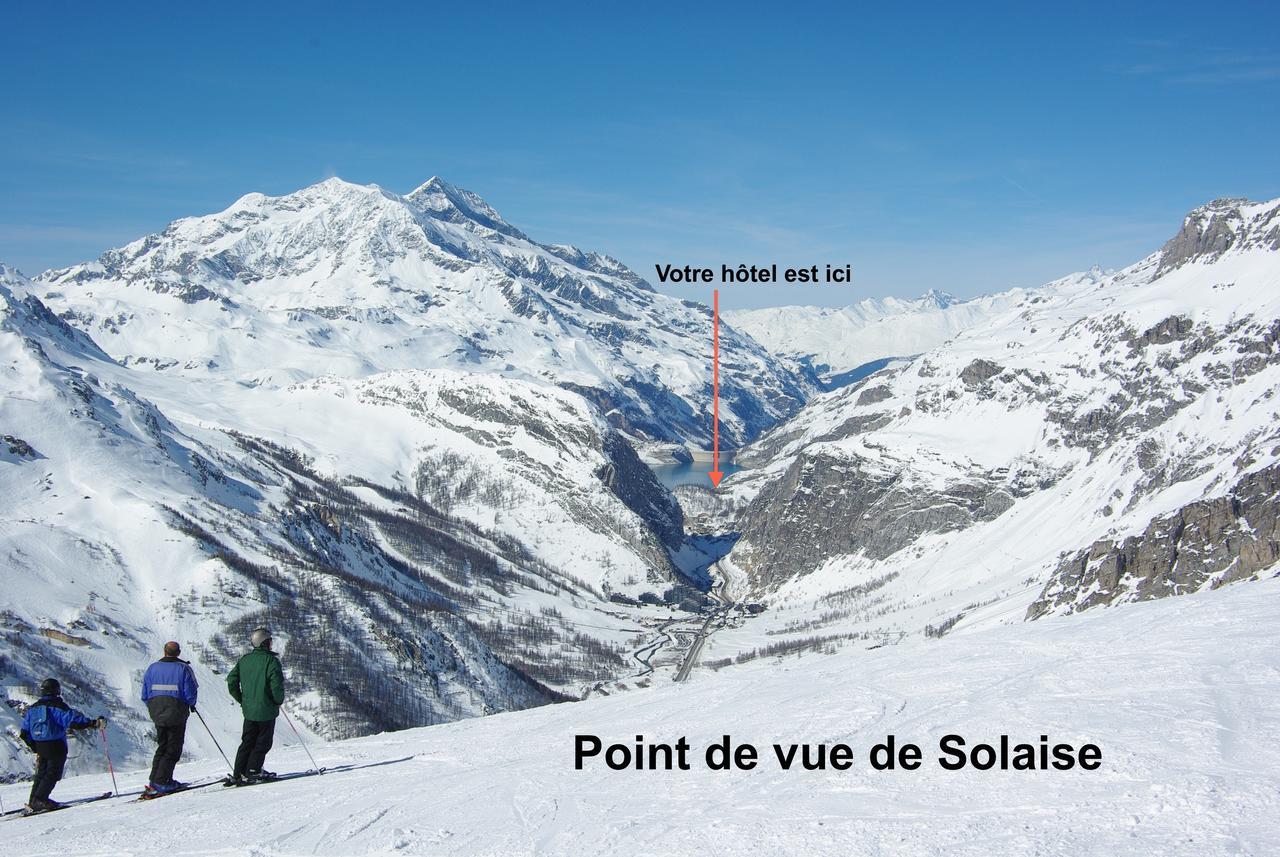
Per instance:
x=828, y=505
x=1219, y=226
x=1208, y=543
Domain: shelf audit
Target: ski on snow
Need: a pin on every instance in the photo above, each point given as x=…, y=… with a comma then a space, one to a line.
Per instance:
x=291, y=776
x=27, y=812
x=225, y=781
x=157, y=795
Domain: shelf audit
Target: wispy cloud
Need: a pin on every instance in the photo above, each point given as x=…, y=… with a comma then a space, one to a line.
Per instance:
x=1019, y=186
x=1201, y=66
x=1243, y=72
x=1140, y=68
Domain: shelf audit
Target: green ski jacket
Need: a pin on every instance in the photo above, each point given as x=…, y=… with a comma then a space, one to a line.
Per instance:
x=257, y=683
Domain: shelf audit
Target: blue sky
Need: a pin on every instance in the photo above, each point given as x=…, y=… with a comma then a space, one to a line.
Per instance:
x=968, y=148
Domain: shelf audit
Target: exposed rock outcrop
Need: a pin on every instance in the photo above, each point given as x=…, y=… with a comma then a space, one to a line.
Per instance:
x=826, y=506
x=632, y=482
x=18, y=447
x=978, y=371
x=1222, y=225
x=1206, y=543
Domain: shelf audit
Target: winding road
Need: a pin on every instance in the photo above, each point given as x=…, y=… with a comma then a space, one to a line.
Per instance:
x=678, y=640
x=723, y=593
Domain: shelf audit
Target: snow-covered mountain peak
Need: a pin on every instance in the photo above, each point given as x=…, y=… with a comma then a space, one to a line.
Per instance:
x=938, y=298
x=352, y=280
x=330, y=194
x=9, y=274
x=10, y=279
x=452, y=204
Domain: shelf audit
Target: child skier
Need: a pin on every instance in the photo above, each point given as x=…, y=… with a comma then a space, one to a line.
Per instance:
x=44, y=730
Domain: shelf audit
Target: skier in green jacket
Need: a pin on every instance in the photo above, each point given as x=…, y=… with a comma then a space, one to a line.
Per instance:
x=257, y=683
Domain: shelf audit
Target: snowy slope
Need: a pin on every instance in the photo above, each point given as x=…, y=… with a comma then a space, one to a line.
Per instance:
x=837, y=341
x=352, y=280
x=1178, y=694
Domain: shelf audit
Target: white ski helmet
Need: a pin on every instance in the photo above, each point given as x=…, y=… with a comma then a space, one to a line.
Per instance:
x=260, y=636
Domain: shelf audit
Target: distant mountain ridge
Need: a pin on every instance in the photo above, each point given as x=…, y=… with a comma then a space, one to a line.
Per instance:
x=834, y=342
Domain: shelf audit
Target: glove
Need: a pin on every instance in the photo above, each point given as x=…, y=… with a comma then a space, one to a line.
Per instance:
x=193, y=709
x=101, y=722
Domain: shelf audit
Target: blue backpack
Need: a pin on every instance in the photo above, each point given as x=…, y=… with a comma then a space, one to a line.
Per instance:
x=49, y=722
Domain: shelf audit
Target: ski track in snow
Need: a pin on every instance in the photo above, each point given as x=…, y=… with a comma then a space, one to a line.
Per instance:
x=1178, y=694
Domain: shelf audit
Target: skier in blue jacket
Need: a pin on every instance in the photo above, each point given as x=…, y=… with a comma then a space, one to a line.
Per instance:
x=169, y=689
x=44, y=730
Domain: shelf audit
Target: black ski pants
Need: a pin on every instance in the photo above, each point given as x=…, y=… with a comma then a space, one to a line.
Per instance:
x=255, y=742
x=169, y=741
x=51, y=758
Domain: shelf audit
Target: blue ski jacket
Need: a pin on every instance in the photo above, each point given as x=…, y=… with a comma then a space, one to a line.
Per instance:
x=170, y=677
x=50, y=718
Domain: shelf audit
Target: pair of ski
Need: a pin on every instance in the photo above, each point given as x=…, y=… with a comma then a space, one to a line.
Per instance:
x=226, y=781
x=27, y=812
x=188, y=788
x=311, y=772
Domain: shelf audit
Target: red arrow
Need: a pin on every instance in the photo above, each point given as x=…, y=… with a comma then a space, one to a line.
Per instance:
x=716, y=474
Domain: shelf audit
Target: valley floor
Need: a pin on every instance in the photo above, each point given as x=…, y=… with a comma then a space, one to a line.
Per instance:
x=1180, y=694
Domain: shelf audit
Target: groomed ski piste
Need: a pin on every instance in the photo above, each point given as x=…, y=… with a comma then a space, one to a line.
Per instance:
x=1179, y=694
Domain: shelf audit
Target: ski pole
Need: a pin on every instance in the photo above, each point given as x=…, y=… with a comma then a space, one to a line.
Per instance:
x=106, y=751
x=215, y=740
x=289, y=720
